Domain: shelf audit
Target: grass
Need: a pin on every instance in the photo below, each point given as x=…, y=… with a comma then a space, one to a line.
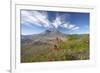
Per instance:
x=74, y=47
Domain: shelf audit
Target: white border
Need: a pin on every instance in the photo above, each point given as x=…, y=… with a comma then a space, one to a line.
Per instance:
x=16, y=66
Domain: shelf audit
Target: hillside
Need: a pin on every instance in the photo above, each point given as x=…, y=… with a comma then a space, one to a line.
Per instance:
x=54, y=46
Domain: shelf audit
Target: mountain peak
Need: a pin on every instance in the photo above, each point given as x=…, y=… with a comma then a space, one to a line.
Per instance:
x=51, y=33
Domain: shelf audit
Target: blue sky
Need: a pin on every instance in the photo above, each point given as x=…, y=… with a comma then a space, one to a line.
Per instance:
x=35, y=22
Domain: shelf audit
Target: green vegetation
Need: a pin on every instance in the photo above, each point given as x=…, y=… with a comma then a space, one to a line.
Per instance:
x=73, y=47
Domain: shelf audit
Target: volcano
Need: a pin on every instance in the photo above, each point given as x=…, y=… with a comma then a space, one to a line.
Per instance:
x=51, y=33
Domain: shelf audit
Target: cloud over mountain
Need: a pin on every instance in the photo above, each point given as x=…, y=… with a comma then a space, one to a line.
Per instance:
x=36, y=18
x=40, y=18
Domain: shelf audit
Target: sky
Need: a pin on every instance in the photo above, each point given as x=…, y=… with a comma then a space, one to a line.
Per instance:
x=35, y=22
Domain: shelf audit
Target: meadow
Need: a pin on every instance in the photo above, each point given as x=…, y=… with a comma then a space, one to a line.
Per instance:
x=69, y=48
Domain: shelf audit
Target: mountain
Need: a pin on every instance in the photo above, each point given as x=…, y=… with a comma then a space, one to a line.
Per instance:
x=41, y=38
x=50, y=33
x=46, y=33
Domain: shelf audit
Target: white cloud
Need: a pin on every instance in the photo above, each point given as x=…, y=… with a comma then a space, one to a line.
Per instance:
x=66, y=25
x=27, y=17
x=40, y=18
x=35, y=17
x=61, y=20
x=71, y=26
x=75, y=28
x=56, y=22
